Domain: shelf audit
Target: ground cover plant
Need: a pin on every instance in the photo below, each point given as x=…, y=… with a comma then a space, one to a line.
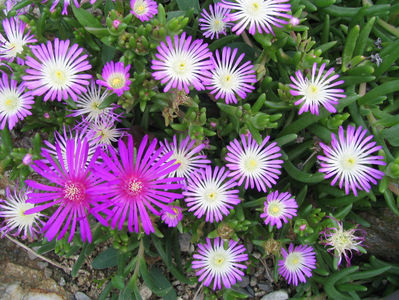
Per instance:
x=247, y=124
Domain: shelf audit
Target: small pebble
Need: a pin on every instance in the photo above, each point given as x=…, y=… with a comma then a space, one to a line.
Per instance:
x=251, y=291
x=265, y=286
x=42, y=264
x=277, y=295
x=244, y=282
x=62, y=281
x=145, y=292
x=259, y=272
x=253, y=281
x=81, y=296
x=48, y=272
x=257, y=255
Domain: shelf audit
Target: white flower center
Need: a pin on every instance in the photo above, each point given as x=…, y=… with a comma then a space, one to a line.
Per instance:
x=182, y=160
x=348, y=163
x=21, y=218
x=10, y=102
x=217, y=24
x=181, y=66
x=211, y=195
x=116, y=80
x=342, y=240
x=314, y=93
x=255, y=9
x=57, y=75
x=275, y=208
x=219, y=261
x=14, y=48
x=294, y=261
x=250, y=164
x=227, y=80
x=140, y=7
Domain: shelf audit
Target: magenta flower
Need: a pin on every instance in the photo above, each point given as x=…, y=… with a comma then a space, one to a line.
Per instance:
x=279, y=207
x=209, y=192
x=15, y=40
x=297, y=263
x=343, y=242
x=144, y=10
x=115, y=77
x=187, y=155
x=349, y=160
x=55, y=70
x=318, y=90
x=137, y=183
x=216, y=22
x=218, y=264
x=172, y=219
x=253, y=163
x=15, y=222
x=15, y=103
x=181, y=63
x=259, y=15
x=65, y=6
x=75, y=190
x=229, y=77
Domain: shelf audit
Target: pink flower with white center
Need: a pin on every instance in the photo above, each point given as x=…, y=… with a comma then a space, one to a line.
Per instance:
x=103, y=131
x=316, y=91
x=181, y=63
x=229, y=77
x=15, y=39
x=349, y=159
x=219, y=264
x=137, y=184
x=258, y=15
x=56, y=70
x=15, y=222
x=65, y=6
x=115, y=77
x=278, y=208
x=74, y=190
x=343, y=242
x=297, y=263
x=15, y=103
x=187, y=155
x=210, y=193
x=144, y=10
x=172, y=219
x=216, y=22
x=255, y=164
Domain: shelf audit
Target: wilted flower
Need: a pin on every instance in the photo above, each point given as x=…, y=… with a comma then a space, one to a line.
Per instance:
x=220, y=265
x=349, y=160
x=318, y=90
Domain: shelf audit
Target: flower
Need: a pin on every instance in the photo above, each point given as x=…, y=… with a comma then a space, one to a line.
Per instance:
x=115, y=77
x=218, y=264
x=16, y=221
x=16, y=39
x=27, y=160
x=103, y=131
x=342, y=242
x=216, y=22
x=144, y=9
x=209, y=193
x=137, y=183
x=181, y=63
x=187, y=155
x=260, y=15
x=253, y=163
x=74, y=190
x=89, y=104
x=279, y=207
x=228, y=78
x=55, y=70
x=172, y=219
x=349, y=159
x=318, y=90
x=9, y=5
x=15, y=103
x=297, y=263
x=65, y=7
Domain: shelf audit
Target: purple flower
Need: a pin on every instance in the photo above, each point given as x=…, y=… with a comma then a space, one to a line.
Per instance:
x=279, y=207
x=75, y=190
x=297, y=263
x=15, y=103
x=144, y=10
x=216, y=22
x=260, y=15
x=115, y=77
x=187, y=155
x=253, y=163
x=13, y=44
x=222, y=265
x=103, y=131
x=56, y=70
x=318, y=90
x=181, y=63
x=65, y=6
x=137, y=183
x=342, y=242
x=208, y=192
x=349, y=160
x=229, y=77
x=172, y=219
x=15, y=222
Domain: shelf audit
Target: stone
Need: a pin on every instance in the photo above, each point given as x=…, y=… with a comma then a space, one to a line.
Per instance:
x=250, y=291
x=259, y=272
x=48, y=272
x=42, y=264
x=62, y=281
x=145, y=292
x=265, y=286
x=185, y=242
x=81, y=296
x=253, y=281
x=277, y=295
x=244, y=282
